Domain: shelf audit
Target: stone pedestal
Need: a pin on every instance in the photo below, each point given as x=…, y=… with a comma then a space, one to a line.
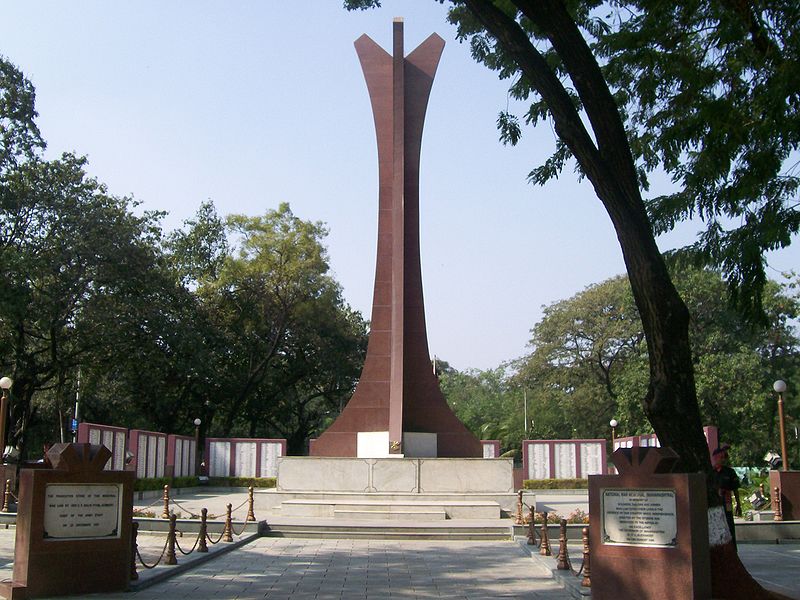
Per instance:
x=398, y=475
x=789, y=484
x=649, y=534
x=73, y=526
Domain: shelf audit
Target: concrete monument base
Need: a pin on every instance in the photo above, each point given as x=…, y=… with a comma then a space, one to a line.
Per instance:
x=393, y=488
x=404, y=475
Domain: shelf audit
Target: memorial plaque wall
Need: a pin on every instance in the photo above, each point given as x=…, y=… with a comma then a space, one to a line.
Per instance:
x=563, y=459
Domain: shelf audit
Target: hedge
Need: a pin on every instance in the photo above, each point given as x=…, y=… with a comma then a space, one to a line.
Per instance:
x=555, y=484
x=158, y=483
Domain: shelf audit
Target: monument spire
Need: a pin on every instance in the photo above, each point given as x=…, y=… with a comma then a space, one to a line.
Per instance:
x=397, y=407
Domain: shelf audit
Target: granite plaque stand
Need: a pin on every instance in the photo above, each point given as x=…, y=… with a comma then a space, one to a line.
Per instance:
x=789, y=484
x=649, y=534
x=397, y=408
x=73, y=526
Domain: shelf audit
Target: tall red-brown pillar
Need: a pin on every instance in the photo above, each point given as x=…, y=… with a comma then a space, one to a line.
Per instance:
x=398, y=393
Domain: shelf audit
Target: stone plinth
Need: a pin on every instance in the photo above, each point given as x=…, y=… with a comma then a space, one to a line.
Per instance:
x=397, y=475
x=789, y=484
x=649, y=535
x=73, y=525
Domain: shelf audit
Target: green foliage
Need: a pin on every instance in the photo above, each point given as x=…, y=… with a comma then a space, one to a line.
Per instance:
x=589, y=358
x=707, y=92
x=256, y=482
x=486, y=404
x=234, y=321
x=555, y=484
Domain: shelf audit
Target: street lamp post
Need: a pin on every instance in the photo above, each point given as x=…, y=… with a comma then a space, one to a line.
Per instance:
x=197, y=446
x=780, y=387
x=613, y=423
x=5, y=384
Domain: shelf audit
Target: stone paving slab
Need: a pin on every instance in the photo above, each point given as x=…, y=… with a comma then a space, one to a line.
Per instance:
x=278, y=568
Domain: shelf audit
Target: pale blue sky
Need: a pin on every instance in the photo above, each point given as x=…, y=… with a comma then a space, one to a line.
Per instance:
x=251, y=104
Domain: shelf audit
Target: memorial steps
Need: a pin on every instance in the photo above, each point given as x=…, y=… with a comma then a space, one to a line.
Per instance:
x=450, y=530
x=397, y=507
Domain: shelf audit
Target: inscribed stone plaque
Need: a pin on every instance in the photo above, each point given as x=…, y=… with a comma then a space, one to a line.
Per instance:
x=245, y=459
x=151, y=455
x=591, y=459
x=82, y=511
x=220, y=459
x=538, y=461
x=108, y=442
x=161, y=455
x=141, y=459
x=638, y=517
x=94, y=435
x=119, y=451
x=270, y=451
x=565, y=460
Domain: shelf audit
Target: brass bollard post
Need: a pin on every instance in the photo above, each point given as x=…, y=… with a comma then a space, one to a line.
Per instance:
x=201, y=545
x=165, y=512
x=544, y=549
x=532, y=528
x=171, y=558
x=761, y=489
x=6, y=495
x=518, y=519
x=227, y=533
x=563, y=553
x=251, y=516
x=134, y=548
x=776, y=504
x=587, y=575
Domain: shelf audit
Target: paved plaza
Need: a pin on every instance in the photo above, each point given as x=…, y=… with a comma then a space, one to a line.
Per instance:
x=277, y=567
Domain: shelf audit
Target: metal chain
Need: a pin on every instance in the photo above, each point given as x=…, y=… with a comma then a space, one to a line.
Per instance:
x=182, y=551
x=181, y=506
x=219, y=539
x=238, y=533
x=155, y=564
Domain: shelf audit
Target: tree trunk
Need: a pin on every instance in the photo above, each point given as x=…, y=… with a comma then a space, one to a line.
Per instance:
x=671, y=400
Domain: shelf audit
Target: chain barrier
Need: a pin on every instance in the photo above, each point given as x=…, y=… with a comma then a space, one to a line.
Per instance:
x=155, y=564
x=168, y=555
x=183, y=508
x=182, y=551
x=240, y=532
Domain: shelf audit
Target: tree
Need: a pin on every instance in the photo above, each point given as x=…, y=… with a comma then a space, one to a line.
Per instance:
x=75, y=259
x=547, y=46
x=263, y=302
x=487, y=403
x=588, y=354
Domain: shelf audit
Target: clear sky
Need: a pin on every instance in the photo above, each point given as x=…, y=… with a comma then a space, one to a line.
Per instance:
x=253, y=103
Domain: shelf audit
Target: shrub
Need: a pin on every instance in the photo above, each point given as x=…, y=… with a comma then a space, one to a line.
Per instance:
x=555, y=484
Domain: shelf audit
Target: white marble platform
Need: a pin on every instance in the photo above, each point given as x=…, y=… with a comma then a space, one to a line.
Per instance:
x=395, y=475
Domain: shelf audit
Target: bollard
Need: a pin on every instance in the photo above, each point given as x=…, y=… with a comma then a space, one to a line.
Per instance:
x=201, y=545
x=518, y=519
x=165, y=512
x=532, y=528
x=6, y=495
x=761, y=489
x=776, y=504
x=544, y=549
x=226, y=533
x=587, y=581
x=171, y=558
x=563, y=553
x=251, y=516
x=134, y=548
